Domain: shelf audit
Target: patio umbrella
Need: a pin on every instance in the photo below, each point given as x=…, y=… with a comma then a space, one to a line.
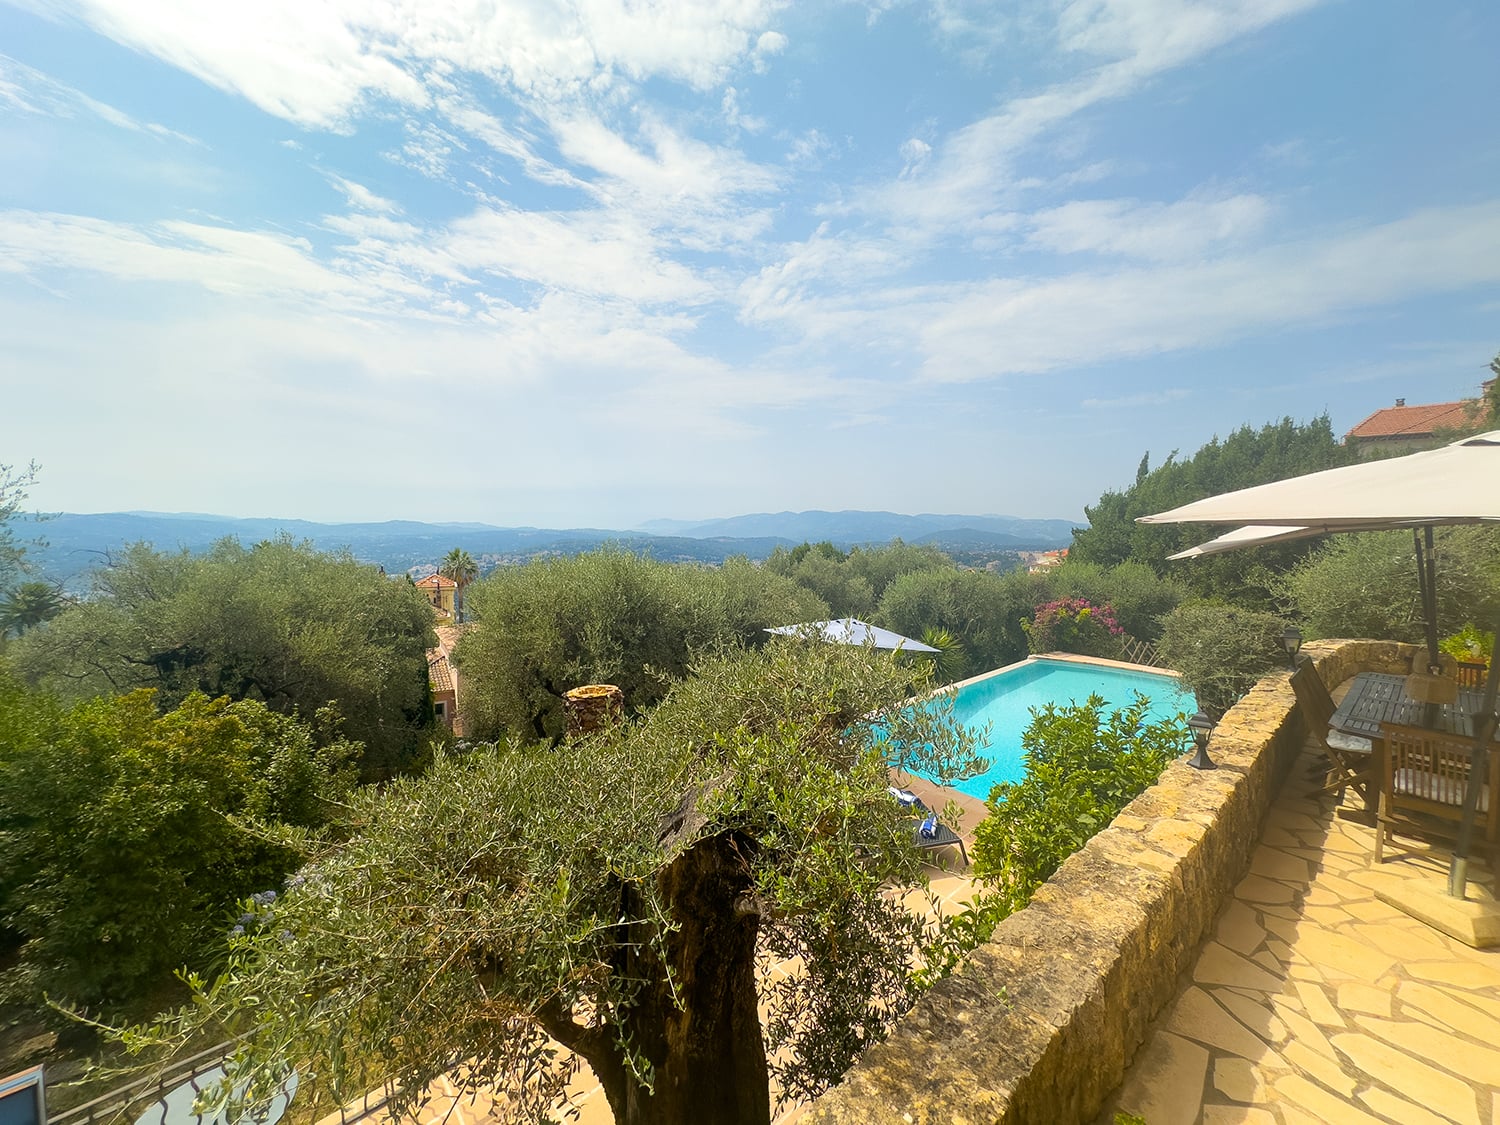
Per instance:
x=1455, y=484
x=852, y=631
x=1253, y=536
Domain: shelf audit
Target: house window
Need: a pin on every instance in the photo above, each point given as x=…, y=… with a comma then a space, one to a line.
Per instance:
x=441, y=708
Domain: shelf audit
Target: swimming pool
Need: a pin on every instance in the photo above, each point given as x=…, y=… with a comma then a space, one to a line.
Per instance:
x=1004, y=699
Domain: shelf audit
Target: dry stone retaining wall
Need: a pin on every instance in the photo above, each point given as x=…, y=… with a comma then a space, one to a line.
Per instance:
x=1041, y=1023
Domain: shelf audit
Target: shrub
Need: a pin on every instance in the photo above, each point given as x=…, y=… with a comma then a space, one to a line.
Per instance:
x=280, y=623
x=982, y=610
x=1470, y=644
x=1074, y=625
x=1221, y=650
x=1365, y=584
x=128, y=836
x=1140, y=597
x=1081, y=770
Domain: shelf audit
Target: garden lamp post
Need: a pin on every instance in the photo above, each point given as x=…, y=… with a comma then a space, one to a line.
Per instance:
x=1201, y=727
x=1291, y=640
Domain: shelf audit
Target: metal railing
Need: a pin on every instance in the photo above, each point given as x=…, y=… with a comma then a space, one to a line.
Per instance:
x=136, y=1098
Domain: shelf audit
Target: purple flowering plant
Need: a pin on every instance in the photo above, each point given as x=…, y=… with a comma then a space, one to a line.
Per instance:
x=1074, y=625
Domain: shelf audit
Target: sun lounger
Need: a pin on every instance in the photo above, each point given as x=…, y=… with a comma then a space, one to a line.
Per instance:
x=930, y=835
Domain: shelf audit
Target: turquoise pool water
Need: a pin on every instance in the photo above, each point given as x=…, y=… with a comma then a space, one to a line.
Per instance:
x=1004, y=701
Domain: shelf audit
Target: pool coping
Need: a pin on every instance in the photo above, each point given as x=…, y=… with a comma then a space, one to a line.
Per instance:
x=1060, y=658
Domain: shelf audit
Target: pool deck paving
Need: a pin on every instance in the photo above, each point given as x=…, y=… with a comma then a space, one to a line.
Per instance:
x=1315, y=1001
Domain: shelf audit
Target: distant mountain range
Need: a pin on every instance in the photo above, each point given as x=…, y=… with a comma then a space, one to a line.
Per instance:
x=847, y=528
x=75, y=543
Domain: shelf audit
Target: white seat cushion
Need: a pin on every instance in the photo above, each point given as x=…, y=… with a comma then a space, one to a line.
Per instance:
x=1448, y=790
x=1349, y=743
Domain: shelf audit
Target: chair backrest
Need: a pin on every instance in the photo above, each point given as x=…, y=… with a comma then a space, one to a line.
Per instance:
x=1470, y=675
x=1317, y=705
x=1427, y=771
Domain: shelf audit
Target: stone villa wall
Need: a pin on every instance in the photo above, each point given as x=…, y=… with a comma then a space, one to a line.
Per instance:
x=1041, y=1023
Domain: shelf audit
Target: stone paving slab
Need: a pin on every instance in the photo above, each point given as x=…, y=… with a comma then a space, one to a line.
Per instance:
x=1314, y=1001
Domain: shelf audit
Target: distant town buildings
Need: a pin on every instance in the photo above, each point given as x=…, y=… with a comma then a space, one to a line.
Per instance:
x=1038, y=561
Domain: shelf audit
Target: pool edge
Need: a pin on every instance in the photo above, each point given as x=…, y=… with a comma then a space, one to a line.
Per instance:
x=1060, y=658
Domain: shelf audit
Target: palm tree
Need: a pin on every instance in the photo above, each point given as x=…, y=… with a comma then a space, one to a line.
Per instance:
x=459, y=567
x=28, y=605
x=951, y=660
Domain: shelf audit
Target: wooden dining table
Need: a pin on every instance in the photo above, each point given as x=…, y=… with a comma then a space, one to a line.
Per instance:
x=1376, y=697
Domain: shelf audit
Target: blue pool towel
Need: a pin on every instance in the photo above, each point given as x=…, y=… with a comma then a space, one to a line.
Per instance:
x=929, y=828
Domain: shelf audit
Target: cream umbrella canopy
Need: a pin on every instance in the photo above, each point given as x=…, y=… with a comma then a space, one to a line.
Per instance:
x=1458, y=483
x=1455, y=484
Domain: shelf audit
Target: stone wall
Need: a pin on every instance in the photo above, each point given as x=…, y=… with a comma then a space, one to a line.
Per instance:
x=1041, y=1023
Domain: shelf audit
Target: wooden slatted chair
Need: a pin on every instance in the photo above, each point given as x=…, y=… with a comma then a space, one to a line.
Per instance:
x=1349, y=756
x=1422, y=778
x=1470, y=675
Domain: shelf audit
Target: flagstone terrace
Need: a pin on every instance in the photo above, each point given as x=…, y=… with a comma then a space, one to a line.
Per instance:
x=1315, y=1001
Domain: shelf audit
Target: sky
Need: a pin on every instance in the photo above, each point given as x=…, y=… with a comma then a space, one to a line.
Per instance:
x=596, y=262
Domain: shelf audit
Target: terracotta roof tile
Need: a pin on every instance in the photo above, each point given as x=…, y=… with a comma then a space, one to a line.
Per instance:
x=437, y=582
x=1410, y=421
x=439, y=671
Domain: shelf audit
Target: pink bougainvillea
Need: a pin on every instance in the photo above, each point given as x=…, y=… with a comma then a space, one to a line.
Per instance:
x=1073, y=625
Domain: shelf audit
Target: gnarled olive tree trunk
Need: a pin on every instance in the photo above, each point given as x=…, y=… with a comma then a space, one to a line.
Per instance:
x=695, y=1020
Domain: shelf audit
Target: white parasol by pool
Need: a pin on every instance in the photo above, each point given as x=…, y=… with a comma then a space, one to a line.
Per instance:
x=852, y=631
x=1455, y=484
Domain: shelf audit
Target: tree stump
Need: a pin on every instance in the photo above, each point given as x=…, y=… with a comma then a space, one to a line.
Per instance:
x=593, y=706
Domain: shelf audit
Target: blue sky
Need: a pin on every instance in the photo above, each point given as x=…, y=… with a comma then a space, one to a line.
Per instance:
x=586, y=262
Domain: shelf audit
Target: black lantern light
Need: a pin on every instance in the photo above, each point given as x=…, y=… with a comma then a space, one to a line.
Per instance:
x=1201, y=726
x=1291, y=640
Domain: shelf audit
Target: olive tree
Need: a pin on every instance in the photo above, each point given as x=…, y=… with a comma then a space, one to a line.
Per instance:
x=14, y=484
x=607, y=616
x=279, y=622
x=616, y=895
x=1365, y=584
x=1220, y=649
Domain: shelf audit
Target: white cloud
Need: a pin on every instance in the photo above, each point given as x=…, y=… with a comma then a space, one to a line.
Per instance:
x=319, y=64
x=362, y=198
x=696, y=195
x=585, y=253
x=1013, y=325
x=1152, y=231
x=808, y=149
x=973, y=170
x=770, y=43
x=914, y=151
x=27, y=90
x=216, y=258
x=1148, y=36
x=736, y=117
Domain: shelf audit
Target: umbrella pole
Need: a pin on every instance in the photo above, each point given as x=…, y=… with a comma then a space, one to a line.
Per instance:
x=1484, y=731
x=1427, y=583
